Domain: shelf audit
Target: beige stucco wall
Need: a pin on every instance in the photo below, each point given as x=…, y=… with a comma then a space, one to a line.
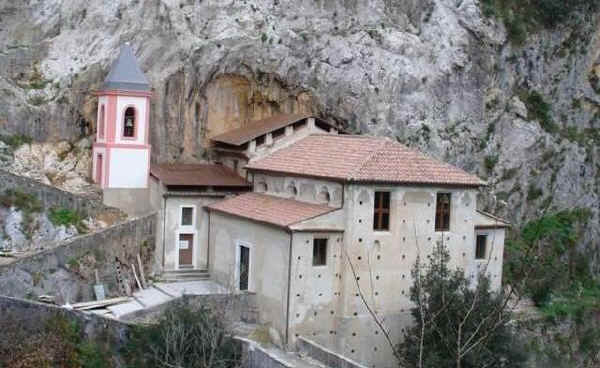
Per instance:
x=325, y=303
x=133, y=201
x=269, y=263
x=314, y=296
x=173, y=227
x=494, y=260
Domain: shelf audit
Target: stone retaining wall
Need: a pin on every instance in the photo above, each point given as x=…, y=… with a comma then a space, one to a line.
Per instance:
x=32, y=317
x=67, y=270
x=53, y=197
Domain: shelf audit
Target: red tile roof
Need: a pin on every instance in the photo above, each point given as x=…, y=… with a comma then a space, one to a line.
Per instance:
x=257, y=128
x=362, y=159
x=270, y=209
x=197, y=175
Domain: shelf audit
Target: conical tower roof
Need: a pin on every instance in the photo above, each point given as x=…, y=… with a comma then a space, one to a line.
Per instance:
x=125, y=73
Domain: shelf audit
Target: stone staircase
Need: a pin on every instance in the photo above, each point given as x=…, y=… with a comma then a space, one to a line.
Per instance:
x=184, y=275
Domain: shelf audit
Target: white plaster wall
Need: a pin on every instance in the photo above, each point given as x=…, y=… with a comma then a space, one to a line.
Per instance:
x=269, y=262
x=199, y=229
x=140, y=104
x=308, y=189
x=128, y=168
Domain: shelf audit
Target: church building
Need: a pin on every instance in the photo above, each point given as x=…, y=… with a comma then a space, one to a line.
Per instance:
x=318, y=224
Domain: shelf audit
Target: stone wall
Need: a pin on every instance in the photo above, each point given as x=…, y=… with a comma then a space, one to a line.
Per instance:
x=52, y=197
x=32, y=317
x=67, y=271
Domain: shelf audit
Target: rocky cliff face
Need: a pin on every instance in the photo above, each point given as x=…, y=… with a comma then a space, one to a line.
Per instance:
x=436, y=74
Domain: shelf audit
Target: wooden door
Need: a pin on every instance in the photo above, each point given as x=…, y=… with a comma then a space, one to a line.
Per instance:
x=99, y=166
x=244, y=267
x=186, y=250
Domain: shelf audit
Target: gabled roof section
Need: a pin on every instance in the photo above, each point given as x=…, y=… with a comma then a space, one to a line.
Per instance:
x=256, y=128
x=125, y=73
x=484, y=220
x=269, y=209
x=197, y=175
x=362, y=159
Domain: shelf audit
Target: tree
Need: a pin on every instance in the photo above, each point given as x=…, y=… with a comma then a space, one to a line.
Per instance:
x=458, y=323
x=183, y=337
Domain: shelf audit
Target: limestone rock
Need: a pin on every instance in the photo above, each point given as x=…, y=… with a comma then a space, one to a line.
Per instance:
x=435, y=74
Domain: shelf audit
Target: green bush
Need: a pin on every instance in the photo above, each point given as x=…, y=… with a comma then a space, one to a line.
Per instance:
x=57, y=342
x=15, y=141
x=457, y=323
x=490, y=162
x=523, y=16
x=543, y=259
x=67, y=217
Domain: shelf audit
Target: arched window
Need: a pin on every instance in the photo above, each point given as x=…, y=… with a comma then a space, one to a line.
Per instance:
x=129, y=123
x=323, y=196
x=261, y=187
x=101, y=123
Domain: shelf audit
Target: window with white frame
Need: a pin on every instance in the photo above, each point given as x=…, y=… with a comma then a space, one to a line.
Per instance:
x=187, y=216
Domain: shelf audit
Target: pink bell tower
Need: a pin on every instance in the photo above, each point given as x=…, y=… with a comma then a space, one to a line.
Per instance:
x=121, y=152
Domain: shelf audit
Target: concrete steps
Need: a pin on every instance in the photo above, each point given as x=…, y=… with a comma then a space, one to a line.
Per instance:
x=184, y=275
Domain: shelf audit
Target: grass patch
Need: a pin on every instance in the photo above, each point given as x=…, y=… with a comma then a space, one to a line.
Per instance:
x=15, y=141
x=509, y=174
x=64, y=216
x=490, y=162
x=573, y=303
x=533, y=192
x=26, y=203
x=539, y=110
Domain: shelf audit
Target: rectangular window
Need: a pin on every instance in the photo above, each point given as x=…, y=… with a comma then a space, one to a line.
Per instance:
x=319, y=252
x=187, y=216
x=442, y=212
x=381, y=213
x=481, y=247
x=260, y=140
x=278, y=133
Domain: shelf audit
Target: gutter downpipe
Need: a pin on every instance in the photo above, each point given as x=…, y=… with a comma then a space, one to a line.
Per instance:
x=289, y=287
x=164, y=217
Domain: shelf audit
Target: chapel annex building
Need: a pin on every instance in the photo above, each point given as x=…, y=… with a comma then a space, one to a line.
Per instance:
x=303, y=216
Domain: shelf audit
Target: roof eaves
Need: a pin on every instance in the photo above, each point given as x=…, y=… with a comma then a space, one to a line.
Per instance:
x=315, y=216
x=281, y=226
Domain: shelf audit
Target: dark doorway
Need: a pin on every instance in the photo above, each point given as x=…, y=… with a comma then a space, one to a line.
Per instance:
x=244, y=267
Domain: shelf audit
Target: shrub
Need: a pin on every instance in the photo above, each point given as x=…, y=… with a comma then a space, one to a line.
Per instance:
x=67, y=217
x=57, y=342
x=15, y=141
x=457, y=324
x=490, y=162
x=183, y=337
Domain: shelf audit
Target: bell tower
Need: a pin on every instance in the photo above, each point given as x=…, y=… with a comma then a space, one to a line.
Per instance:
x=121, y=152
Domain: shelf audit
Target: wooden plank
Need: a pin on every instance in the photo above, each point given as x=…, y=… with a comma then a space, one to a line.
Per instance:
x=136, y=278
x=141, y=268
x=100, y=303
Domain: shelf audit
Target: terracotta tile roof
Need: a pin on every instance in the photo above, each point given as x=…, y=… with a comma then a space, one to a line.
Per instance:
x=487, y=220
x=257, y=128
x=197, y=175
x=270, y=209
x=362, y=159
